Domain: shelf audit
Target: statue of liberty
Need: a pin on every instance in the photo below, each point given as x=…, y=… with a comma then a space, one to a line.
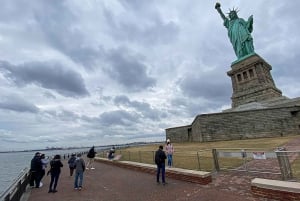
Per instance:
x=239, y=32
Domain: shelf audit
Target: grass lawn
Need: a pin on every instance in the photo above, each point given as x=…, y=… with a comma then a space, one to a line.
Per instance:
x=198, y=156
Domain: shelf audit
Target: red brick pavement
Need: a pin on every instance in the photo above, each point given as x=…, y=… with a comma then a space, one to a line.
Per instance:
x=111, y=183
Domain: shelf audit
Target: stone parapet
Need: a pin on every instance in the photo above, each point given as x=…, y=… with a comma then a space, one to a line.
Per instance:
x=274, y=189
x=199, y=177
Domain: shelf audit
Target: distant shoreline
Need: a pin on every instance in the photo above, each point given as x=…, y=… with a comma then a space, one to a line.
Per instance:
x=70, y=148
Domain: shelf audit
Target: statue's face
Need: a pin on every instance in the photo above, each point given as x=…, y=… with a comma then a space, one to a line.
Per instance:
x=233, y=15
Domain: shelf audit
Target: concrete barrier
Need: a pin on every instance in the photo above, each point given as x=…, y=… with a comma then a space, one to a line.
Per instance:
x=275, y=189
x=199, y=177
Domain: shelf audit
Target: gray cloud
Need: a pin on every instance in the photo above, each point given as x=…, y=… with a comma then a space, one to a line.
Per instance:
x=129, y=71
x=47, y=75
x=118, y=118
x=17, y=104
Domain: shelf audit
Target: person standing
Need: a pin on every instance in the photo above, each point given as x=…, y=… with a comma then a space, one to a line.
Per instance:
x=35, y=171
x=160, y=157
x=170, y=151
x=45, y=161
x=111, y=153
x=55, y=170
x=91, y=157
x=79, y=169
x=71, y=163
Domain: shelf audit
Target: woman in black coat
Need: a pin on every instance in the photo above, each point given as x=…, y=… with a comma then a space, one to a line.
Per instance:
x=56, y=165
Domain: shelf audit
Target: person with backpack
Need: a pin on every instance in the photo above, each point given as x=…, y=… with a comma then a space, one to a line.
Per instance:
x=55, y=165
x=79, y=169
x=71, y=163
x=160, y=157
x=91, y=157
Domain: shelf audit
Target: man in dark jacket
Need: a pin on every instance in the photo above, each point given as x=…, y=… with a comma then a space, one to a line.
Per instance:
x=91, y=157
x=35, y=170
x=160, y=157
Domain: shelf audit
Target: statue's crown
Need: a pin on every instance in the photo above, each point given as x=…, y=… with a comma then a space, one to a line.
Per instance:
x=234, y=10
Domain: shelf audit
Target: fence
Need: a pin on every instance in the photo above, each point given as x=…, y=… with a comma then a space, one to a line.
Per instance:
x=289, y=162
x=250, y=160
x=277, y=164
x=193, y=160
x=15, y=191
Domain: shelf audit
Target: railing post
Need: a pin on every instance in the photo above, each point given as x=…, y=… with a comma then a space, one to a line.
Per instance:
x=198, y=157
x=140, y=157
x=284, y=164
x=153, y=156
x=216, y=160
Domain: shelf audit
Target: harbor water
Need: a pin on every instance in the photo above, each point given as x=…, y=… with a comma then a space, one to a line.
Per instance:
x=13, y=163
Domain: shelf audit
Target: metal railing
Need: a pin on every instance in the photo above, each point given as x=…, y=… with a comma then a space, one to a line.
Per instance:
x=289, y=162
x=15, y=191
x=193, y=160
x=245, y=159
x=276, y=163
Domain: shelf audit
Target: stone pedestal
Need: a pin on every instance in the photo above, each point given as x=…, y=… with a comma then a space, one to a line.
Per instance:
x=252, y=81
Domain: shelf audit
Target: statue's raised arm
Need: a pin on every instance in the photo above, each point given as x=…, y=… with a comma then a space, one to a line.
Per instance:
x=218, y=7
x=239, y=32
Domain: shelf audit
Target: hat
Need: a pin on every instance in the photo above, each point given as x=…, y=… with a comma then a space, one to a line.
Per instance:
x=168, y=140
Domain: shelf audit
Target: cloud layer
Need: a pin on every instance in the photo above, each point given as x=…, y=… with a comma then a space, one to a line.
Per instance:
x=110, y=72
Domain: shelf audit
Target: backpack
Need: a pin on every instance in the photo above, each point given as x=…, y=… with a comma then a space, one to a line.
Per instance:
x=157, y=158
x=72, y=162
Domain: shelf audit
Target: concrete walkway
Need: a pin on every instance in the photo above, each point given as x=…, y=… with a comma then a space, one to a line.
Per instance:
x=111, y=183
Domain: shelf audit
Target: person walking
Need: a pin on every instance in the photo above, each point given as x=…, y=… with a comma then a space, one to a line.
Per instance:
x=79, y=169
x=91, y=157
x=160, y=157
x=35, y=170
x=170, y=151
x=55, y=170
x=71, y=163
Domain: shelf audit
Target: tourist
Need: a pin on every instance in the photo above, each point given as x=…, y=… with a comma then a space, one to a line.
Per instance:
x=71, y=163
x=170, y=151
x=160, y=157
x=35, y=171
x=111, y=153
x=55, y=170
x=91, y=157
x=79, y=169
x=45, y=162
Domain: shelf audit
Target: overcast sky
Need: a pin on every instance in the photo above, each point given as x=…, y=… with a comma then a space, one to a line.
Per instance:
x=98, y=72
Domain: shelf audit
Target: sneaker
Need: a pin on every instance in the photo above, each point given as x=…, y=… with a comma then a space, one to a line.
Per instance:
x=54, y=191
x=80, y=188
x=164, y=183
x=41, y=184
x=75, y=188
x=86, y=168
x=92, y=168
x=50, y=191
x=158, y=182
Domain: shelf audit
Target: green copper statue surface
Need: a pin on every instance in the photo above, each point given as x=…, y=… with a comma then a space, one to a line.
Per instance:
x=239, y=32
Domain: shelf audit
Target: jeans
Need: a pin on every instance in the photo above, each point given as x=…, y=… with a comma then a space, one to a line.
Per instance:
x=78, y=176
x=35, y=178
x=54, y=180
x=170, y=160
x=163, y=170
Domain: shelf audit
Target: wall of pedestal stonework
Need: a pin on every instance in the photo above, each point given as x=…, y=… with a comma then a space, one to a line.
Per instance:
x=270, y=122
